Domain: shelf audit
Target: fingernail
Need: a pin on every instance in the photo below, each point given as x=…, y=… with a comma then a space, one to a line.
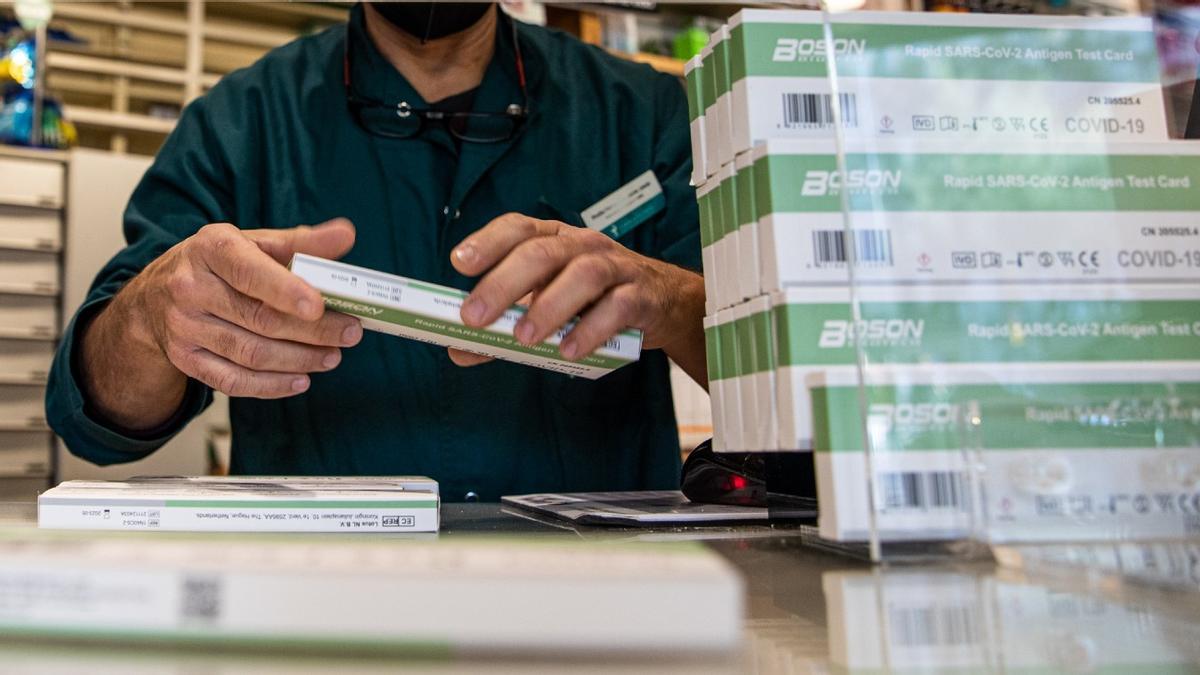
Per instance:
x=474, y=310
x=568, y=349
x=304, y=307
x=352, y=334
x=331, y=359
x=299, y=384
x=465, y=253
x=525, y=330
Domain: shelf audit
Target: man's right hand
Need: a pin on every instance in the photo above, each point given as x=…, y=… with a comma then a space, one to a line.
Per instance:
x=220, y=307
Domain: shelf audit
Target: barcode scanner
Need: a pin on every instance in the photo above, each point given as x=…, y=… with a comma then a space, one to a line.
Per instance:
x=784, y=482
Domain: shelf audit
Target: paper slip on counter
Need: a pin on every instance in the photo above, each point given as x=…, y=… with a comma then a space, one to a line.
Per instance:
x=259, y=504
x=431, y=313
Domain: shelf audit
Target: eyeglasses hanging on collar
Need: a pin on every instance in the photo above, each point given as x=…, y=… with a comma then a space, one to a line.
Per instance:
x=402, y=120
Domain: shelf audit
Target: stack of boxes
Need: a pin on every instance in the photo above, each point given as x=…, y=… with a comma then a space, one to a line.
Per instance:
x=1019, y=223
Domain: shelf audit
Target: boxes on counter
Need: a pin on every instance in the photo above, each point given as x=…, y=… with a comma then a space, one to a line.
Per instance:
x=381, y=505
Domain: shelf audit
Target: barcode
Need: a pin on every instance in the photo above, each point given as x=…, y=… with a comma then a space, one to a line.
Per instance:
x=201, y=598
x=928, y=490
x=1191, y=524
x=816, y=110
x=871, y=247
x=949, y=626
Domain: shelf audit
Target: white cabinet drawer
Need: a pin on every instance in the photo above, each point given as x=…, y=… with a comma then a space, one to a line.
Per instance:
x=25, y=453
x=22, y=489
x=30, y=182
x=30, y=229
x=27, y=316
x=28, y=272
x=22, y=407
x=25, y=361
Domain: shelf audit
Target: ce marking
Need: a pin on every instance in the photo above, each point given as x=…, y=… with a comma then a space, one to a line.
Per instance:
x=1089, y=259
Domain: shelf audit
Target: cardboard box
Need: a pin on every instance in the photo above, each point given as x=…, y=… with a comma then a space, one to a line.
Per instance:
x=250, y=504
x=744, y=364
x=730, y=396
x=431, y=313
x=953, y=76
x=705, y=200
x=1060, y=452
x=937, y=212
x=749, y=281
x=432, y=600
x=716, y=384
x=984, y=328
x=708, y=91
x=727, y=248
x=694, y=77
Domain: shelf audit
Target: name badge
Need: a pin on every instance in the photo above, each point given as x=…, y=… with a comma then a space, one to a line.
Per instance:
x=631, y=205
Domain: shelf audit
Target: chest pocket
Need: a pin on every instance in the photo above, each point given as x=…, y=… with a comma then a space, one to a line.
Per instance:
x=545, y=210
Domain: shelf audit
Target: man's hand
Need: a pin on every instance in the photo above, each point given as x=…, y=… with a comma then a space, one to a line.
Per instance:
x=574, y=271
x=220, y=307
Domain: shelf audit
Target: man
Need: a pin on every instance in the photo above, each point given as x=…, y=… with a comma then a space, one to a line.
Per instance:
x=364, y=124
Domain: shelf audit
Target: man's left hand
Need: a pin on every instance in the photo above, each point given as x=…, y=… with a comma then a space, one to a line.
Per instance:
x=574, y=271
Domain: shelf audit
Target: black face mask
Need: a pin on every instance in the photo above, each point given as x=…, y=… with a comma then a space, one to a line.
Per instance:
x=432, y=20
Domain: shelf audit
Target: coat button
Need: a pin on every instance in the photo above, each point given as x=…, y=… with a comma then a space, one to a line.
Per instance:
x=471, y=497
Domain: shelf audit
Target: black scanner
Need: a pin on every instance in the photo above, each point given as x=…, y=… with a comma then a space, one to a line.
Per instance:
x=783, y=481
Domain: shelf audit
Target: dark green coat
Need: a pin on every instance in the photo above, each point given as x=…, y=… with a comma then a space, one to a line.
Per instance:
x=274, y=146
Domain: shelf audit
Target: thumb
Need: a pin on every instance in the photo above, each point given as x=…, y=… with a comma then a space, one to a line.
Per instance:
x=331, y=239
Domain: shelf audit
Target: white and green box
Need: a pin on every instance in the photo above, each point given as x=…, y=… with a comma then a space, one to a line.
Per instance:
x=727, y=245
x=708, y=100
x=765, y=425
x=747, y=228
x=431, y=313
x=706, y=198
x=693, y=75
x=744, y=363
x=983, y=329
x=260, y=504
x=956, y=76
x=436, y=601
x=982, y=212
x=947, y=619
x=1062, y=452
x=716, y=385
x=728, y=403
x=724, y=98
